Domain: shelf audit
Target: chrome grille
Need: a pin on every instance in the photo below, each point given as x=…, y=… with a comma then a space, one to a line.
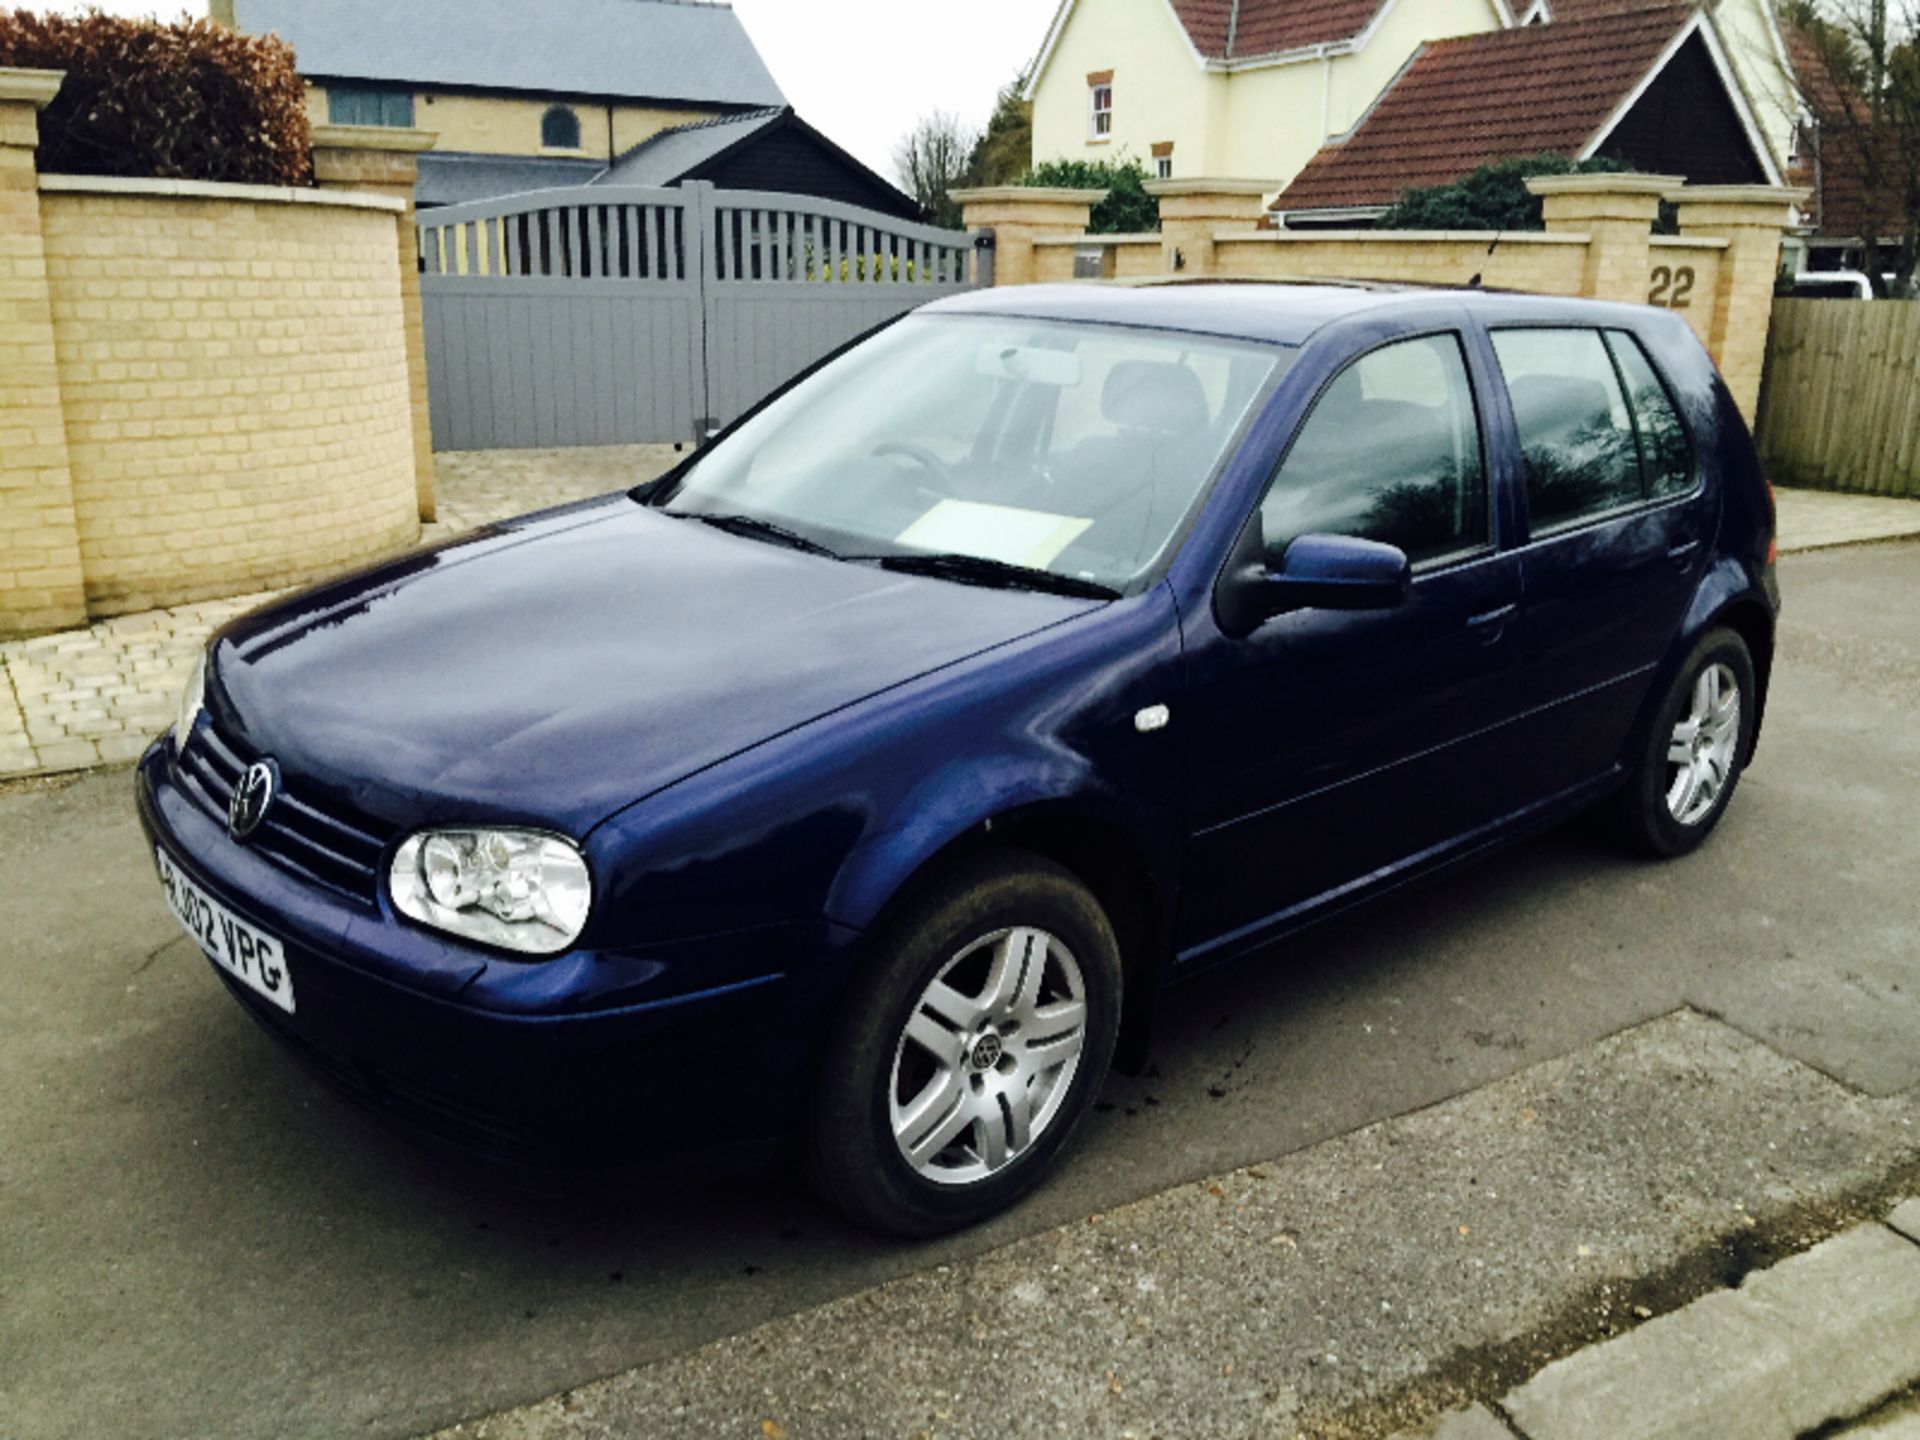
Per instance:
x=313, y=838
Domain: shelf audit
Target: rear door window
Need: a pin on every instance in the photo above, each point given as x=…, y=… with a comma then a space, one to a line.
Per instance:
x=1575, y=429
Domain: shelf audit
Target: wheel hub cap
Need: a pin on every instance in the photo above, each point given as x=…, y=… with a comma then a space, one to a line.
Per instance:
x=987, y=1056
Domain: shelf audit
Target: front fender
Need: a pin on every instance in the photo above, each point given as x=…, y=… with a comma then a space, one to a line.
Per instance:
x=1010, y=794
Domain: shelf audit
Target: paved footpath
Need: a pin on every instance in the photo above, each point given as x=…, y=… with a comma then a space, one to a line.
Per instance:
x=90, y=697
x=1473, y=1251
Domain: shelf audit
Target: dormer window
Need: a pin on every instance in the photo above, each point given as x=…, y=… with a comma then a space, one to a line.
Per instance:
x=1100, y=105
x=560, y=129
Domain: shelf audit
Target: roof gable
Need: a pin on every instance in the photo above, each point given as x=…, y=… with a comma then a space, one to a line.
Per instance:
x=639, y=49
x=1559, y=88
x=772, y=149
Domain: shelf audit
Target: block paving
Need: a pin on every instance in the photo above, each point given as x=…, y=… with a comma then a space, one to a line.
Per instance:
x=97, y=696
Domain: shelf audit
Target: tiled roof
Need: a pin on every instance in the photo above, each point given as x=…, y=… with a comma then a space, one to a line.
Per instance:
x=1461, y=103
x=1831, y=156
x=651, y=49
x=1247, y=29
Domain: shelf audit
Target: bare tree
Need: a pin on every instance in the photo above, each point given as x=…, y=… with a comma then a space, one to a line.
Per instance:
x=1857, y=68
x=930, y=160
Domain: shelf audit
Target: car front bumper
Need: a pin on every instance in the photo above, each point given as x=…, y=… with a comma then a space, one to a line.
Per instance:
x=592, y=1057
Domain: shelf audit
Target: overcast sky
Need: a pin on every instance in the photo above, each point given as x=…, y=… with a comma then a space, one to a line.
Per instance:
x=859, y=70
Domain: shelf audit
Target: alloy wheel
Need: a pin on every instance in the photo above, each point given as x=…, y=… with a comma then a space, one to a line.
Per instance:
x=1705, y=742
x=987, y=1056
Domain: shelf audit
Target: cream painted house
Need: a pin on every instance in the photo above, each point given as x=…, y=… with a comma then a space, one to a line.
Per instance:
x=521, y=96
x=1253, y=89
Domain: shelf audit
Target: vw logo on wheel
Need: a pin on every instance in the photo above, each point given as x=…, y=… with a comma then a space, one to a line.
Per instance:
x=252, y=798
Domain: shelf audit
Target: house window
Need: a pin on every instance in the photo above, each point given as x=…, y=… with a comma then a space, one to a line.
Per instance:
x=560, y=129
x=1100, y=123
x=1163, y=160
x=369, y=105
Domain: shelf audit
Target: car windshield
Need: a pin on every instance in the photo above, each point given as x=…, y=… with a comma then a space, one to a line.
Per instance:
x=1077, y=450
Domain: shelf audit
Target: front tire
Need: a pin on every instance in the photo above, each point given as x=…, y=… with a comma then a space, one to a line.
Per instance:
x=970, y=1049
x=1695, y=749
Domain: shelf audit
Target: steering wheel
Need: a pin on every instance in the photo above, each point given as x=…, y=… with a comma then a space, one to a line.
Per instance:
x=922, y=457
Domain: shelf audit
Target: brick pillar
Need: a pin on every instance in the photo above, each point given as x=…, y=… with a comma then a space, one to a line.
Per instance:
x=1752, y=219
x=1192, y=210
x=384, y=161
x=1020, y=214
x=42, y=586
x=1616, y=213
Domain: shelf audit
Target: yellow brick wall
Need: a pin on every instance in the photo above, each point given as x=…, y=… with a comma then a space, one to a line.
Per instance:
x=508, y=125
x=1517, y=263
x=1690, y=294
x=40, y=579
x=236, y=390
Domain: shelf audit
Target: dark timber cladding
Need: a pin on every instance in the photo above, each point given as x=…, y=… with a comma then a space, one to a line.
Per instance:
x=1685, y=124
x=770, y=149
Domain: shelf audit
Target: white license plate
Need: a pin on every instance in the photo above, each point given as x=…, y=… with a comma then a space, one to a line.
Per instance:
x=255, y=959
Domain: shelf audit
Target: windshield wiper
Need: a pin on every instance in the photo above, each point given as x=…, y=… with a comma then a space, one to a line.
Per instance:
x=754, y=528
x=977, y=570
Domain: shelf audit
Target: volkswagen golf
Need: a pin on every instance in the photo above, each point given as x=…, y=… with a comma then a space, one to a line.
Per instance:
x=850, y=793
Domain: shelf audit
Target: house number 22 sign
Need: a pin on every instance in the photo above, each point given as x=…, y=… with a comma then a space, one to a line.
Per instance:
x=1672, y=285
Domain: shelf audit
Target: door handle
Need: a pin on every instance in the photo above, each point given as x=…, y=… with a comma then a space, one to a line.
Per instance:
x=1681, y=552
x=1490, y=625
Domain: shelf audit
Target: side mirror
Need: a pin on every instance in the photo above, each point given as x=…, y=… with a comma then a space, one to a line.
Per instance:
x=1318, y=572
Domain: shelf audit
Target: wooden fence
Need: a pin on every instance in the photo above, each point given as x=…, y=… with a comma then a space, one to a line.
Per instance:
x=1840, y=400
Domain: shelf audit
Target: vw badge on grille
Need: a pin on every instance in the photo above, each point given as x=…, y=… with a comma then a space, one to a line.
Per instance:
x=252, y=798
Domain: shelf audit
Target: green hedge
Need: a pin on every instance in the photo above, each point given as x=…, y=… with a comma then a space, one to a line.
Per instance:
x=187, y=101
x=1128, y=208
x=1494, y=197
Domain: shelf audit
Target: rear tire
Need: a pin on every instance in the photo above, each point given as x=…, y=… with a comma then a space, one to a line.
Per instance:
x=970, y=1048
x=1694, y=751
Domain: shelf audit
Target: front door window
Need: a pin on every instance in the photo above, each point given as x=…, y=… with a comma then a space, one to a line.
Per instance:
x=1391, y=452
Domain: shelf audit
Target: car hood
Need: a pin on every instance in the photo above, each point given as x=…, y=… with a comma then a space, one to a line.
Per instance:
x=556, y=669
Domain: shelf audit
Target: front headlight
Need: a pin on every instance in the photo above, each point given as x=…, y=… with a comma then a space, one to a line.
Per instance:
x=519, y=889
x=193, y=700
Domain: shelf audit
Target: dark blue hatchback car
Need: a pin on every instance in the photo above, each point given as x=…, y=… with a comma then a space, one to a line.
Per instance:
x=861, y=782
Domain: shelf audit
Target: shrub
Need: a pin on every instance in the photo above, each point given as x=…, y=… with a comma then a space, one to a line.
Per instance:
x=188, y=101
x=1494, y=197
x=1128, y=208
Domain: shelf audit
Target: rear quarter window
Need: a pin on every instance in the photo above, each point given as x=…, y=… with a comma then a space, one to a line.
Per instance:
x=1666, y=455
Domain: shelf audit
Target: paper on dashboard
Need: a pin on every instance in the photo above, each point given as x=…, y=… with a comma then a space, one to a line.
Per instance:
x=1006, y=533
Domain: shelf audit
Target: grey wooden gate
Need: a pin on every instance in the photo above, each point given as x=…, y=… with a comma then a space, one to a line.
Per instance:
x=606, y=314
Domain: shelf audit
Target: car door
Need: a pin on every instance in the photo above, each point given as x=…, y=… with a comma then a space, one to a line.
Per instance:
x=1619, y=526
x=1327, y=746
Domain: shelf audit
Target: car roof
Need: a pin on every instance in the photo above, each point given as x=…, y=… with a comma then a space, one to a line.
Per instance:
x=1277, y=312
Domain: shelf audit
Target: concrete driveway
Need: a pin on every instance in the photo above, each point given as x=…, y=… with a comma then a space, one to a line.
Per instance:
x=196, y=1241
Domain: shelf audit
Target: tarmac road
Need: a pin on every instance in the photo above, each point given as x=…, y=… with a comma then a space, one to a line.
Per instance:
x=195, y=1240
